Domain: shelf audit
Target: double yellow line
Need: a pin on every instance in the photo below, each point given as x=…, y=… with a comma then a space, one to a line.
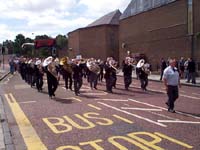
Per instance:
x=31, y=139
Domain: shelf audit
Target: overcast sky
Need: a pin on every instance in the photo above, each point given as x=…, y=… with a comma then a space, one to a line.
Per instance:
x=51, y=17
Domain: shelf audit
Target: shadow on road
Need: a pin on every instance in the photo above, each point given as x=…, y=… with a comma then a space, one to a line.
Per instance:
x=65, y=101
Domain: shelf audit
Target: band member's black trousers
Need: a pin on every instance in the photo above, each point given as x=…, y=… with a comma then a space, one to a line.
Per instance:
x=52, y=86
x=127, y=81
x=100, y=76
x=109, y=83
x=39, y=82
x=77, y=84
x=172, y=96
x=93, y=79
x=68, y=81
x=144, y=83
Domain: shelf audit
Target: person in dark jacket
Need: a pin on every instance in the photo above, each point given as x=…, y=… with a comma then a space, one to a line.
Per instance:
x=143, y=72
x=192, y=71
x=162, y=67
x=127, y=71
x=77, y=76
x=39, y=75
x=52, y=76
x=109, y=75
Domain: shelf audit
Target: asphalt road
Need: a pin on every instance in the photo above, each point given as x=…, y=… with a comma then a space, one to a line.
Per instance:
x=96, y=120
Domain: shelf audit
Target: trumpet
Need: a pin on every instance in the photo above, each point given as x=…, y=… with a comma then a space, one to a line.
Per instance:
x=130, y=61
x=113, y=64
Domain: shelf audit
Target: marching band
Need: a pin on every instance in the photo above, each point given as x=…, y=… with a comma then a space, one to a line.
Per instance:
x=32, y=70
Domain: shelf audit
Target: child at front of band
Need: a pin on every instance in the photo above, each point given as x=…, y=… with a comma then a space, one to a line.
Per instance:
x=127, y=71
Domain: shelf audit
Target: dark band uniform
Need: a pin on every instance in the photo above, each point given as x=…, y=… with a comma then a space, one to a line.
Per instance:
x=127, y=70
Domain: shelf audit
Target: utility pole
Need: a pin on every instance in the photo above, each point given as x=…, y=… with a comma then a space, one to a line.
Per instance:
x=3, y=52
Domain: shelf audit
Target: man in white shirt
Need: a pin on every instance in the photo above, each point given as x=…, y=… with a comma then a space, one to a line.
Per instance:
x=172, y=82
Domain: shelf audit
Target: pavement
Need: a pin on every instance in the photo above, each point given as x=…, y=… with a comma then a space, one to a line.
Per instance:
x=5, y=134
x=6, y=142
x=156, y=77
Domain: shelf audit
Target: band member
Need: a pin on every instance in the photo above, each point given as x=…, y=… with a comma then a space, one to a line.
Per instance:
x=22, y=67
x=94, y=71
x=52, y=75
x=143, y=74
x=39, y=75
x=109, y=74
x=66, y=71
x=115, y=64
x=127, y=70
x=77, y=76
x=101, y=74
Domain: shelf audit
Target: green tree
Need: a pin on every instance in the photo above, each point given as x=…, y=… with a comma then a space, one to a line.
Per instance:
x=40, y=37
x=19, y=40
x=61, y=42
x=9, y=45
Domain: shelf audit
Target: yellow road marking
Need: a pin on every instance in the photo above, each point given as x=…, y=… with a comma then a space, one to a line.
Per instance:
x=123, y=119
x=28, y=102
x=77, y=99
x=173, y=140
x=95, y=107
x=29, y=134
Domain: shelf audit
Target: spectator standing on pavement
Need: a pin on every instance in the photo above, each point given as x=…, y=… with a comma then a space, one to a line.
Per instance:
x=172, y=83
x=12, y=66
x=192, y=71
x=186, y=68
x=162, y=67
x=181, y=67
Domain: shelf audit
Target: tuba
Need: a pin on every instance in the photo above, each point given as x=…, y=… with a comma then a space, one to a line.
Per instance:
x=51, y=66
x=64, y=61
x=93, y=66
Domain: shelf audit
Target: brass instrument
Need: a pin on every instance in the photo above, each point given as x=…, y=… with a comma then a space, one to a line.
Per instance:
x=140, y=63
x=93, y=66
x=147, y=68
x=52, y=69
x=112, y=63
x=64, y=61
x=51, y=66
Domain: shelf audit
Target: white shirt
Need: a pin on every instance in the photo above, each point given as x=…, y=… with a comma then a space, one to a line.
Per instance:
x=171, y=76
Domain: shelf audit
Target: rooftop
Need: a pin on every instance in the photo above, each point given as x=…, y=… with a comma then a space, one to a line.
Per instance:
x=111, y=18
x=139, y=6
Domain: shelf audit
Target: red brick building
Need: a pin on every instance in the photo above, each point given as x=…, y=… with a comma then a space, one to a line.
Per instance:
x=98, y=40
x=162, y=29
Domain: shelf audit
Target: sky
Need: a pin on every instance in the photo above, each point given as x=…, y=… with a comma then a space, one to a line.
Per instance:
x=51, y=17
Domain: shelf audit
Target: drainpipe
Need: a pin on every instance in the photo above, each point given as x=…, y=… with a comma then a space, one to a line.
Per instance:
x=191, y=26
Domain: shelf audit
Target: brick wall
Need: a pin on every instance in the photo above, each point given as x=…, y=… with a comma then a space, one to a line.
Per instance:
x=98, y=42
x=73, y=43
x=161, y=32
x=197, y=30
